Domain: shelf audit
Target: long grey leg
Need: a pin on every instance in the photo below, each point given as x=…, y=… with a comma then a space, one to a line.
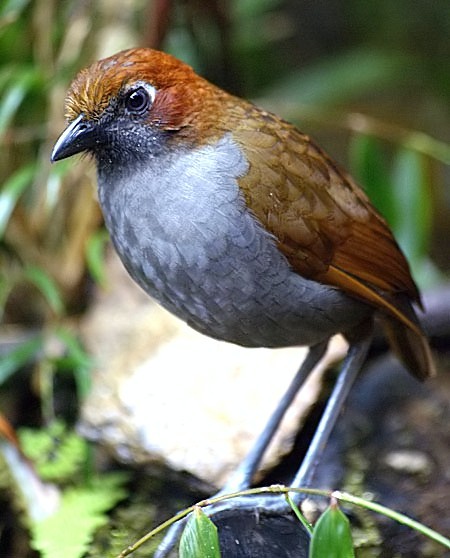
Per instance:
x=241, y=478
x=352, y=365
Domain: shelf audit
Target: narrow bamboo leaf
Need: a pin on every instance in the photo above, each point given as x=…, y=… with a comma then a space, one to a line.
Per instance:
x=341, y=77
x=7, y=72
x=11, y=191
x=77, y=361
x=19, y=357
x=252, y=8
x=11, y=9
x=368, y=164
x=42, y=281
x=95, y=255
x=412, y=203
x=332, y=536
x=14, y=96
x=199, y=538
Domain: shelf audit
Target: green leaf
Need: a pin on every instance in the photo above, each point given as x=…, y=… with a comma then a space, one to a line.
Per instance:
x=342, y=77
x=82, y=511
x=14, y=96
x=250, y=8
x=54, y=184
x=95, y=256
x=411, y=196
x=11, y=191
x=45, y=284
x=332, y=536
x=11, y=9
x=77, y=361
x=19, y=357
x=368, y=164
x=199, y=538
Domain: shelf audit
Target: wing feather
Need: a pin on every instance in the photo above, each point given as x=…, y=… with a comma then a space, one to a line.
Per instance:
x=324, y=222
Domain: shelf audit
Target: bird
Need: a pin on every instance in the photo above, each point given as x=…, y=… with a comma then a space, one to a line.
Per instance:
x=240, y=224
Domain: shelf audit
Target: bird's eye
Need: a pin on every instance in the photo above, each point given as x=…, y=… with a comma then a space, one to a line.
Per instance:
x=138, y=100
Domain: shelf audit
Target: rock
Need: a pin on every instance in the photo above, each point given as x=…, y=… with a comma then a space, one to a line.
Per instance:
x=165, y=393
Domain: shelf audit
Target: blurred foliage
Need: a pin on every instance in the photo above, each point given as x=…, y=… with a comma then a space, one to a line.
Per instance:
x=57, y=453
x=364, y=77
x=402, y=195
x=83, y=509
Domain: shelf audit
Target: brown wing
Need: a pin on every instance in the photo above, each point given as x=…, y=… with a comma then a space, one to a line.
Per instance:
x=324, y=223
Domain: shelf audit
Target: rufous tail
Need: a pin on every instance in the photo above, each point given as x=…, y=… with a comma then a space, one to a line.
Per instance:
x=410, y=346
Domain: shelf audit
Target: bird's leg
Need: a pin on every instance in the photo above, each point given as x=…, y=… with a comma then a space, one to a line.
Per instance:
x=351, y=366
x=242, y=476
x=269, y=519
x=353, y=362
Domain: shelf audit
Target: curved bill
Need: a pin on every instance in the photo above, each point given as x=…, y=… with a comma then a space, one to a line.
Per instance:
x=77, y=137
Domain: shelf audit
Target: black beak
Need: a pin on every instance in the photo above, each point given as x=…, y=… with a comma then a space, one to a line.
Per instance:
x=79, y=136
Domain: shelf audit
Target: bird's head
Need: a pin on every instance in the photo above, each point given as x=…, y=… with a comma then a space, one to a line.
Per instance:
x=135, y=105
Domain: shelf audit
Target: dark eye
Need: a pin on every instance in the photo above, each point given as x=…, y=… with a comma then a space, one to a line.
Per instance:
x=137, y=101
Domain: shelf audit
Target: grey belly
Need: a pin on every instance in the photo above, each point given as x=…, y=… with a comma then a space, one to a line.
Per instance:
x=253, y=302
